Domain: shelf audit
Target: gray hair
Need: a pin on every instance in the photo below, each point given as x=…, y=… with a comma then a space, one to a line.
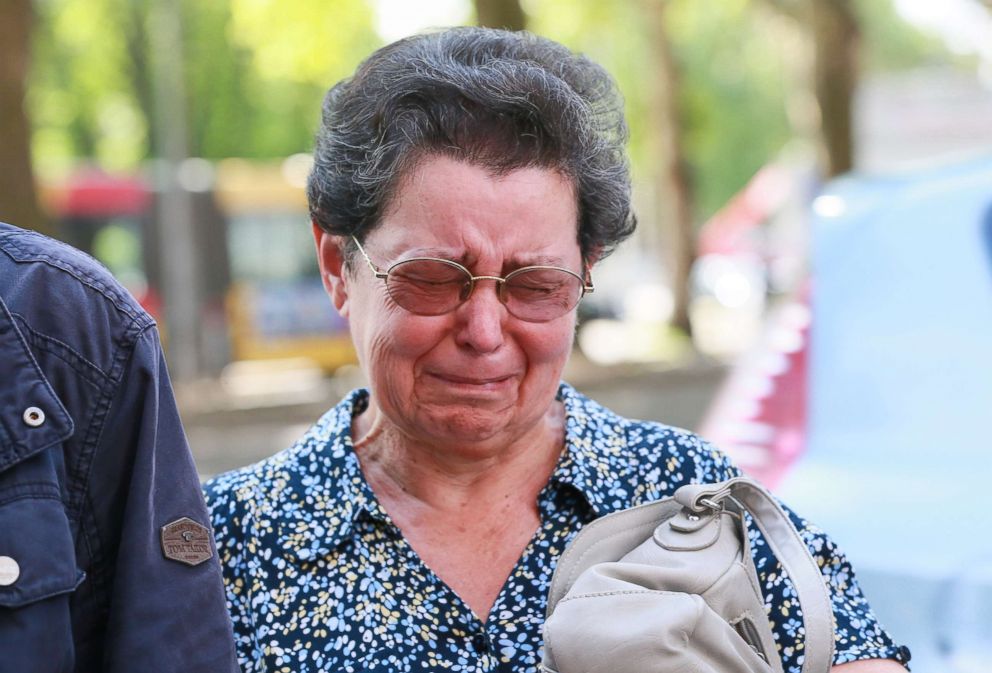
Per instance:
x=497, y=99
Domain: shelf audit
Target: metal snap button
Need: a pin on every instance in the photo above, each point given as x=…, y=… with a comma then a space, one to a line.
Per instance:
x=33, y=416
x=9, y=571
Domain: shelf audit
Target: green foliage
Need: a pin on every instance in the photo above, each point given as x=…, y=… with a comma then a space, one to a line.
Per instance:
x=890, y=43
x=740, y=62
x=255, y=71
x=732, y=79
x=79, y=97
x=735, y=64
x=290, y=53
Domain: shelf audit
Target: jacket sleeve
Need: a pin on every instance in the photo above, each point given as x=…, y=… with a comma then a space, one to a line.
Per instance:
x=165, y=615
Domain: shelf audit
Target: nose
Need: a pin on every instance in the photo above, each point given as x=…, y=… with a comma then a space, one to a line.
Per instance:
x=481, y=319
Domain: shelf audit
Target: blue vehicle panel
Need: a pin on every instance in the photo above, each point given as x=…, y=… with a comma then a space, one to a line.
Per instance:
x=897, y=465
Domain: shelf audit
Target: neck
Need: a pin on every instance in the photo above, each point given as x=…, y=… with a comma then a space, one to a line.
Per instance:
x=457, y=477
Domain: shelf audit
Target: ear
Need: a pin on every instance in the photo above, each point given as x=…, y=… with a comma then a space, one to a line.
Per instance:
x=332, y=268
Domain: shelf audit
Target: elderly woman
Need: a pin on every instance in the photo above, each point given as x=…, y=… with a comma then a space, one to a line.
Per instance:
x=465, y=183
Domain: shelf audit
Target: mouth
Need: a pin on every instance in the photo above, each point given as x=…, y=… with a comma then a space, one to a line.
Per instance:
x=472, y=382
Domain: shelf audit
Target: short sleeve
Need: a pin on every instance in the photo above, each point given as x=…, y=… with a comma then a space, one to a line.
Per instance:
x=858, y=633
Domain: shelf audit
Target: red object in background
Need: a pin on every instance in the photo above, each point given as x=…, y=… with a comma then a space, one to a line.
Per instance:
x=734, y=229
x=93, y=193
x=759, y=417
x=92, y=196
x=152, y=302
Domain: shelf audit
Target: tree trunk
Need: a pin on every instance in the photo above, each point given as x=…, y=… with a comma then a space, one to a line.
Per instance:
x=671, y=179
x=836, y=41
x=500, y=14
x=181, y=277
x=18, y=195
x=832, y=28
x=136, y=40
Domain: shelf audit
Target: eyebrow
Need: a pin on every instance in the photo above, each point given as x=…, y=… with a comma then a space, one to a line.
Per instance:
x=430, y=252
x=467, y=261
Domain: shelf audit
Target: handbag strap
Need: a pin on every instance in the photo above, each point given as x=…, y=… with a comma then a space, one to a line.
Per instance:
x=790, y=550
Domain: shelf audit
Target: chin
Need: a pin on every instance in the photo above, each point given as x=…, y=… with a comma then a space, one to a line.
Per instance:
x=468, y=426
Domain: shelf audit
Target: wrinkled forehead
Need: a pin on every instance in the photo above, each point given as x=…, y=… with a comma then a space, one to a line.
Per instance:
x=423, y=169
x=457, y=210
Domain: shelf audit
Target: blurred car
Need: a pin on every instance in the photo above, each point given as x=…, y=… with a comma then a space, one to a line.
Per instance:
x=867, y=404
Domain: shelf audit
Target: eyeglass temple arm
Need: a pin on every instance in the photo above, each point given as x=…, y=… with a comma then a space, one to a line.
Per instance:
x=378, y=274
x=587, y=286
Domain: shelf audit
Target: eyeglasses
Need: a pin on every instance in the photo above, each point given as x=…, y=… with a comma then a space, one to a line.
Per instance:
x=432, y=286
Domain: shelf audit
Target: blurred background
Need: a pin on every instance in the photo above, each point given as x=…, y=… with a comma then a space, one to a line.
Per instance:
x=810, y=285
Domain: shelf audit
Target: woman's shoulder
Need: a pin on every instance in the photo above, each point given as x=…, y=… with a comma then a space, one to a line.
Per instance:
x=323, y=450
x=649, y=452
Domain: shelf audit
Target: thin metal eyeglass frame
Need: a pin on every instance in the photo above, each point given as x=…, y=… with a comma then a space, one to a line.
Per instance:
x=587, y=287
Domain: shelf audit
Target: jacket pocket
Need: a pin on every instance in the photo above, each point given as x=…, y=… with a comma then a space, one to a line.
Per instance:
x=37, y=552
x=37, y=577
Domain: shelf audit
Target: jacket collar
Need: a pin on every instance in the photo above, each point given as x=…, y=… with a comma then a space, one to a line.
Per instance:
x=24, y=386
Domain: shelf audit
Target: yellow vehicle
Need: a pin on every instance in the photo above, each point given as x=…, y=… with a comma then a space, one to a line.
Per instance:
x=276, y=304
x=259, y=289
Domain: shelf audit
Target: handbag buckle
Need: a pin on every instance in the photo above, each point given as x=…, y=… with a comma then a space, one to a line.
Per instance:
x=711, y=504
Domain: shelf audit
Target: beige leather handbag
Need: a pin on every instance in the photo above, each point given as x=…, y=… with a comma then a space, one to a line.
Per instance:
x=670, y=587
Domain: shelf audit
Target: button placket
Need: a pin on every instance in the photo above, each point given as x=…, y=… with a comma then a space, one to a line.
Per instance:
x=480, y=643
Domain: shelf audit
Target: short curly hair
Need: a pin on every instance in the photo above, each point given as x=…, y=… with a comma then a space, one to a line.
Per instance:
x=498, y=99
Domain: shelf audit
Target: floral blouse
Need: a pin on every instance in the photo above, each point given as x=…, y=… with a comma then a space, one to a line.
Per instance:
x=319, y=578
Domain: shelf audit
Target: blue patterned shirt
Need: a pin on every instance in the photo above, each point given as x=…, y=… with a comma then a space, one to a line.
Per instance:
x=319, y=578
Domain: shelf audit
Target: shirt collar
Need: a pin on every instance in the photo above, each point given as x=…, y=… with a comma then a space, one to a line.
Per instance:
x=331, y=495
x=596, y=461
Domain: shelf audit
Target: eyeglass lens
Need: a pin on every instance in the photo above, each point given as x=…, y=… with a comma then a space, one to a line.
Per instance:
x=434, y=287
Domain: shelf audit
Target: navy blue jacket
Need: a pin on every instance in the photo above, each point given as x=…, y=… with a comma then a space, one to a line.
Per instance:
x=93, y=465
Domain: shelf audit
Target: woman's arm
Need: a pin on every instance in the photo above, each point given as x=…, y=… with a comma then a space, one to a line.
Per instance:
x=869, y=666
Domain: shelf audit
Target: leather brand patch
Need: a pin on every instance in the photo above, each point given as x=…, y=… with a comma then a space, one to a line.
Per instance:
x=186, y=541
